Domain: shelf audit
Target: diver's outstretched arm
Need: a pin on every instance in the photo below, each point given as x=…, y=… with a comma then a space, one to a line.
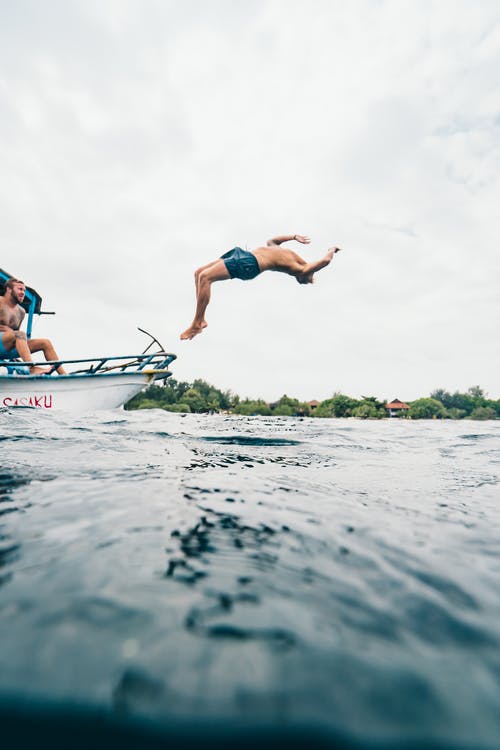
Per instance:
x=317, y=265
x=288, y=238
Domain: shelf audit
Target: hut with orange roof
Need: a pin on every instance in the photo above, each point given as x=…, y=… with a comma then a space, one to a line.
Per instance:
x=313, y=404
x=396, y=407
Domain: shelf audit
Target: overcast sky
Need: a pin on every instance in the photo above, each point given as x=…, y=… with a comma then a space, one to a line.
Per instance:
x=140, y=139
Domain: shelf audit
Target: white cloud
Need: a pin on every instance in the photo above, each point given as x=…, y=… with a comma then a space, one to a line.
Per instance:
x=142, y=139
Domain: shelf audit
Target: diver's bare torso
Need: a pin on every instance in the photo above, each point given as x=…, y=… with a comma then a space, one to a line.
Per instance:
x=276, y=258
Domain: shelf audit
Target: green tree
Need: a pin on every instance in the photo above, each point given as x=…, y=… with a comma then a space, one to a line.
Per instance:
x=446, y=398
x=367, y=410
x=303, y=409
x=427, y=408
x=180, y=407
x=477, y=392
x=483, y=412
x=337, y=406
x=372, y=406
x=155, y=396
x=284, y=410
x=148, y=403
x=286, y=406
x=252, y=407
x=453, y=413
x=193, y=398
x=201, y=396
x=463, y=402
x=496, y=406
x=323, y=410
x=175, y=389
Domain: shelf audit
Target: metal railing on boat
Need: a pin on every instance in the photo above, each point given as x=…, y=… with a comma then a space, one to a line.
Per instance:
x=157, y=362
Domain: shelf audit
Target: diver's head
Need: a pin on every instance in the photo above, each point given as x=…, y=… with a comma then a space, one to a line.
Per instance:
x=307, y=278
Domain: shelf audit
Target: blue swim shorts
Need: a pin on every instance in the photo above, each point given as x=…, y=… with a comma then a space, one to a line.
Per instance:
x=241, y=264
x=7, y=353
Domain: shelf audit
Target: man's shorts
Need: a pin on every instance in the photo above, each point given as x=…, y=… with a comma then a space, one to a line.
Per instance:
x=241, y=264
x=7, y=353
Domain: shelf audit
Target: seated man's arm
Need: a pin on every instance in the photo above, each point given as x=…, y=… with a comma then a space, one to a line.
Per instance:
x=13, y=332
x=287, y=238
x=10, y=337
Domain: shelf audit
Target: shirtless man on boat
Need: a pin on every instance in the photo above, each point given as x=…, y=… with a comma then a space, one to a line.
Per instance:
x=13, y=342
x=242, y=264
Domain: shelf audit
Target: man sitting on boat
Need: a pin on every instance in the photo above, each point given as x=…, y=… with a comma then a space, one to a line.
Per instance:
x=245, y=265
x=13, y=342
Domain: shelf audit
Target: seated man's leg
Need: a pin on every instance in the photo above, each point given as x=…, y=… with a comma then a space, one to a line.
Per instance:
x=16, y=345
x=8, y=345
x=45, y=346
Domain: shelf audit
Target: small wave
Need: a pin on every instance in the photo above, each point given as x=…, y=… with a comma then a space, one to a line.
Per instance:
x=95, y=611
x=9, y=551
x=476, y=436
x=9, y=482
x=14, y=438
x=248, y=440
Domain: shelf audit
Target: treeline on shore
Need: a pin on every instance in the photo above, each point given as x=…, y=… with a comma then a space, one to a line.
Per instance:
x=199, y=397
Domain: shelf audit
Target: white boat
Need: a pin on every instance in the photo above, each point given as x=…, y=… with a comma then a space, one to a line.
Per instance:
x=96, y=383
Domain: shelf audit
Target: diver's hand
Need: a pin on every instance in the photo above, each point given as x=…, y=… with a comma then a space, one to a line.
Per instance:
x=302, y=239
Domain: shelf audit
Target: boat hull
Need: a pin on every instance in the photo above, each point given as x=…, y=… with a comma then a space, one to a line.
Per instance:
x=72, y=392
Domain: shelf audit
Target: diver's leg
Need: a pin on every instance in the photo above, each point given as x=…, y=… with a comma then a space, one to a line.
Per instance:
x=196, y=281
x=203, y=268
x=215, y=272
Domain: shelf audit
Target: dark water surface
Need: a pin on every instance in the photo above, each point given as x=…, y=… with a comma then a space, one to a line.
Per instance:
x=335, y=578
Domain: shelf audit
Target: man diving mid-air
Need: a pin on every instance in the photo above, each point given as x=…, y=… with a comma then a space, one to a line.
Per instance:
x=245, y=265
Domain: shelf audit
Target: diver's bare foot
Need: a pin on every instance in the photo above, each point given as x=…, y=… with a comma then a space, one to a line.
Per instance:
x=190, y=333
x=38, y=371
x=204, y=324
